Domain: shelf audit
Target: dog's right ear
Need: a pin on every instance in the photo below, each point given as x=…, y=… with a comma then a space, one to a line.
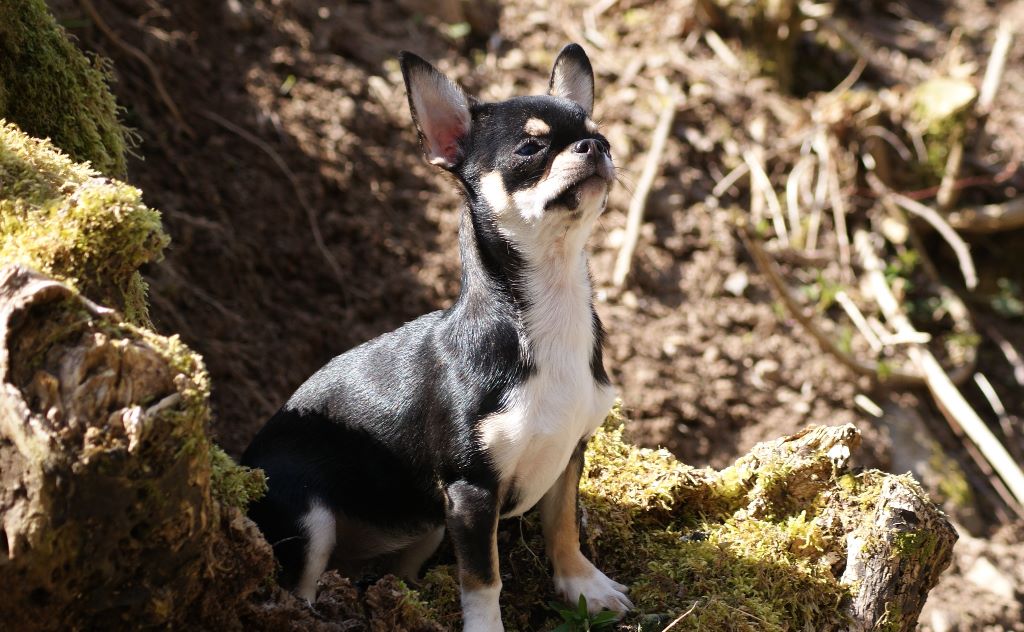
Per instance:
x=440, y=110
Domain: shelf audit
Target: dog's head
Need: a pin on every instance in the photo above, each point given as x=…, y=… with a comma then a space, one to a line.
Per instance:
x=530, y=164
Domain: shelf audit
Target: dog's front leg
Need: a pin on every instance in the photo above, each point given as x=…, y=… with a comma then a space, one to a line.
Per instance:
x=574, y=573
x=473, y=523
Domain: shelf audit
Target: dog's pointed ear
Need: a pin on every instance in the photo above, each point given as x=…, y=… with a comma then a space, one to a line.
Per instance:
x=573, y=77
x=440, y=110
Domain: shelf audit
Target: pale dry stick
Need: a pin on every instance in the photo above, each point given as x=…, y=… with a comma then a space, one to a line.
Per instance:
x=955, y=306
x=989, y=218
x=946, y=395
x=963, y=254
x=866, y=404
x=154, y=74
x=681, y=617
x=817, y=210
x=793, y=196
x=730, y=179
x=722, y=50
x=858, y=319
x=994, y=70
x=839, y=218
x=946, y=196
x=892, y=139
x=742, y=169
x=872, y=370
x=850, y=79
x=761, y=186
x=999, y=409
x=637, y=205
x=314, y=226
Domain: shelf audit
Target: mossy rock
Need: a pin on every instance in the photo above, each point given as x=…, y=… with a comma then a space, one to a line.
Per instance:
x=52, y=90
x=64, y=219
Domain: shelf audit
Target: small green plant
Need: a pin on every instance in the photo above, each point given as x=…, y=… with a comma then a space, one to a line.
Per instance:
x=578, y=619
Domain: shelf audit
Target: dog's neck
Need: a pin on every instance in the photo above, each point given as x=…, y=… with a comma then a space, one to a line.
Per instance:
x=539, y=296
x=509, y=270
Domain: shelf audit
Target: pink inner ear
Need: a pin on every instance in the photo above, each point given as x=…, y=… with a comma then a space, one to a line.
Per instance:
x=444, y=136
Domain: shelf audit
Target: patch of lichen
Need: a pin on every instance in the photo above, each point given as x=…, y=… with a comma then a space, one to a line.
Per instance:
x=686, y=541
x=51, y=90
x=61, y=218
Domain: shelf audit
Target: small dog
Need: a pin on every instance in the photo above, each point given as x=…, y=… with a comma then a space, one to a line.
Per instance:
x=480, y=411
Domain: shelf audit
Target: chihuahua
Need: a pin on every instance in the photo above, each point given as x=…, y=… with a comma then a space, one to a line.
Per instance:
x=478, y=412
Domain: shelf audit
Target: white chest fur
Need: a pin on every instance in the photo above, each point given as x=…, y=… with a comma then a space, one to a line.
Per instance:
x=532, y=439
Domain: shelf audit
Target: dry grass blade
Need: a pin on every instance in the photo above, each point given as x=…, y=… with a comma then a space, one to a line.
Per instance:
x=681, y=617
x=793, y=183
x=948, y=398
x=635, y=216
x=761, y=186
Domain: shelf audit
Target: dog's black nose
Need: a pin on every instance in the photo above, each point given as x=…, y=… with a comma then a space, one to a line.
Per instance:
x=586, y=146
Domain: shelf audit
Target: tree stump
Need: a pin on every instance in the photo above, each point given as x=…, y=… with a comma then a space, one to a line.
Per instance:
x=107, y=518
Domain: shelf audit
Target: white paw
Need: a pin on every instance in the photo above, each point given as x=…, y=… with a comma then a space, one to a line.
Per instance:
x=600, y=591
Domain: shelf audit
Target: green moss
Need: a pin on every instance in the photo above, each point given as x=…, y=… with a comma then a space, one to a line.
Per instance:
x=235, y=484
x=914, y=544
x=51, y=90
x=730, y=547
x=61, y=218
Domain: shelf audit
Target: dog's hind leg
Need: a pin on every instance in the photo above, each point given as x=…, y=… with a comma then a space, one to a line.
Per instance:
x=320, y=528
x=409, y=560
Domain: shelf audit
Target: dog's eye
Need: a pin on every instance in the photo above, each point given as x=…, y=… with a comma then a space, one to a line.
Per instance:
x=529, y=148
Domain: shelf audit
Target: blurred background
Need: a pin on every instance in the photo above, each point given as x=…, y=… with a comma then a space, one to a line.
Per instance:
x=811, y=157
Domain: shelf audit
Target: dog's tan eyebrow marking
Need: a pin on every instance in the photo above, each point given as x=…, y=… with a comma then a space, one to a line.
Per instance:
x=536, y=127
x=591, y=126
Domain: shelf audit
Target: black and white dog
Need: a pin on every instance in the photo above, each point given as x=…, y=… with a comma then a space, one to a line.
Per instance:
x=480, y=411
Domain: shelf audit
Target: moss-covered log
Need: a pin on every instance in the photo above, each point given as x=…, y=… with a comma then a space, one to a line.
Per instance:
x=107, y=512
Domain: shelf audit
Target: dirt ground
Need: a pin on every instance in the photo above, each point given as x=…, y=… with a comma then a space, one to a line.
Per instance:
x=275, y=138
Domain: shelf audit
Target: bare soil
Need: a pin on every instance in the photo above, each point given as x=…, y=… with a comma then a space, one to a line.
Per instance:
x=294, y=128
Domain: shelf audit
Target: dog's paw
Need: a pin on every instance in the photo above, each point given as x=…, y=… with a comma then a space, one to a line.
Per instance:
x=600, y=591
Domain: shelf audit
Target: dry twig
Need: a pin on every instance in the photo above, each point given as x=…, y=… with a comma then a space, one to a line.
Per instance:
x=1005, y=420
x=634, y=218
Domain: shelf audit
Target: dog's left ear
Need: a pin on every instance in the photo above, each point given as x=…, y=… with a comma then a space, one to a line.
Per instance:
x=440, y=110
x=573, y=77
